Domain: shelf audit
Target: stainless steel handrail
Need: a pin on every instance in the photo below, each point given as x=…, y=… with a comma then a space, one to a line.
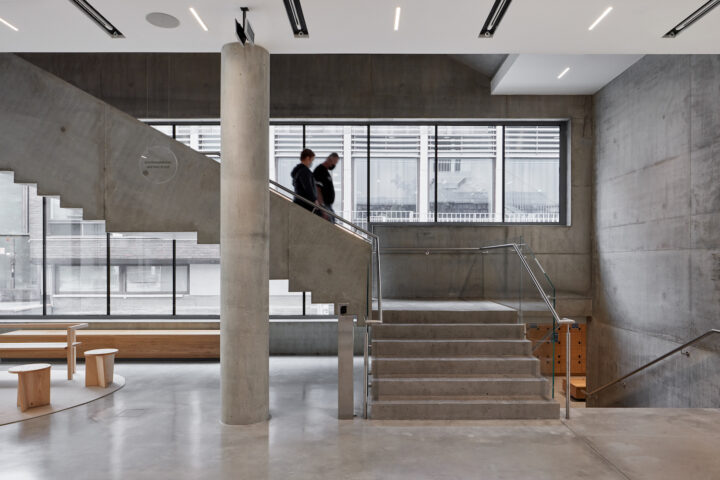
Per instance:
x=649, y=364
x=374, y=240
x=557, y=321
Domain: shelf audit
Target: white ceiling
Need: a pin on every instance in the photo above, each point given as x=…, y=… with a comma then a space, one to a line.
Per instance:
x=366, y=26
x=530, y=74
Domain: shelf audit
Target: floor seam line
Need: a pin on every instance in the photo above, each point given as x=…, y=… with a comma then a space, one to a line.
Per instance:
x=594, y=449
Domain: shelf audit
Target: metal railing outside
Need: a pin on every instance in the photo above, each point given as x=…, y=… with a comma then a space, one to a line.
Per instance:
x=653, y=362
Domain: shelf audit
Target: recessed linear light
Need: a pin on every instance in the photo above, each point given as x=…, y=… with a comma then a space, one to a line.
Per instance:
x=98, y=18
x=397, y=18
x=199, y=20
x=10, y=25
x=694, y=17
x=296, y=17
x=493, y=20
x=563, y=73
x=600, y=18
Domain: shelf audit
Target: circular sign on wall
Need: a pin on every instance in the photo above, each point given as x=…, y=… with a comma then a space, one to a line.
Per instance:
x=158, y=164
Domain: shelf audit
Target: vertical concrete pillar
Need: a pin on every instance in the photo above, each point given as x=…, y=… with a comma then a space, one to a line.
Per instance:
x=244, y=240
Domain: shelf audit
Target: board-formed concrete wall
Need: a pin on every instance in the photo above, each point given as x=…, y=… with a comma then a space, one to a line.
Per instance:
x=657, y=232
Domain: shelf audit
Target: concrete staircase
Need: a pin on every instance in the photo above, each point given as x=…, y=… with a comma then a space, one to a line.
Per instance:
x=86, y=152
x=463, y=366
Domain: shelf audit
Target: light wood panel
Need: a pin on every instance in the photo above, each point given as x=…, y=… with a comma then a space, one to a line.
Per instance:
x=130, y=343
x=578, y=349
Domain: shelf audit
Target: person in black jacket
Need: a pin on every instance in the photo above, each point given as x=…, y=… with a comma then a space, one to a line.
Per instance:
x=303, y=180
x=324, y=182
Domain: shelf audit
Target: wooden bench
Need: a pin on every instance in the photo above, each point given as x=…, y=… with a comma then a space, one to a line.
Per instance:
x=69, y=347
x=577, y=388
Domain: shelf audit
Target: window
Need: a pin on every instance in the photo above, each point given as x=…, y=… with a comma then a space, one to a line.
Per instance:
x=532, y=174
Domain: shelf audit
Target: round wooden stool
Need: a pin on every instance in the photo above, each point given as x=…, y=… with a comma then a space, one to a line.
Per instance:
x=99, y=366
x=33, y=385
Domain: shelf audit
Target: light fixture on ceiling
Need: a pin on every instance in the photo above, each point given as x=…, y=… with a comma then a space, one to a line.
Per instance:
x=98, y=18
x=563, y=73
x=296, y=17
x=199, y=20
x=600, y=18
x=493, y=20
x=162, y=20
x=244, y=31
x=694, y=17
x=9, y=25
x=397, y=19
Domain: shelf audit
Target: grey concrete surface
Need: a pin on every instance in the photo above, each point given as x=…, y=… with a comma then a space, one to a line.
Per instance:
x=244, y=234
x=163, y=425
x=89, y=153
x=657, y=245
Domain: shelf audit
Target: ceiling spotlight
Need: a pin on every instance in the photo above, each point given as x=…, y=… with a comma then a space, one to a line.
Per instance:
x=600, y=18
x=397, y=18
x=244, y=31
x=297, y=19
x=694, y=17
x=98, y=18
x=9, y=25
x=493, y=20
x=199, y=20
x=562, y=74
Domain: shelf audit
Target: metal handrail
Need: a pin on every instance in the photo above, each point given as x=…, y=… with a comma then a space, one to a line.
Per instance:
x=374, y=240
x=557, y=321
x=659, y=359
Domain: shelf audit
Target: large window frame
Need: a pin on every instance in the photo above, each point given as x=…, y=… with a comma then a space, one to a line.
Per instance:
x=563, y=180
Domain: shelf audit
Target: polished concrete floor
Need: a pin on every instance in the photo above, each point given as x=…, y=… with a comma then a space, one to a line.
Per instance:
x=164, y=425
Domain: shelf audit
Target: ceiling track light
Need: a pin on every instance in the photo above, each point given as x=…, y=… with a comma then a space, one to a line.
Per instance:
x=397, y=19
x=296, y=17
x=694, y=17
x=198, y=19
x=98, y=18
x=563, y=73
x=497, y=12
x=600, y=18
x=9, y=25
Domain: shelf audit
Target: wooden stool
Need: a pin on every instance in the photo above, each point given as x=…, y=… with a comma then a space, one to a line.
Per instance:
x=99, y=365
x=33, y=385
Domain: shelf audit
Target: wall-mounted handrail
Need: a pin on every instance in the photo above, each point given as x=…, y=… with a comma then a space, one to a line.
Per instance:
x=649, y=364
x=373, y=239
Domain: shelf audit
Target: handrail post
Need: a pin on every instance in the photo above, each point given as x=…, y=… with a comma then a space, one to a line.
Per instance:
x=567, y=322
x=366, y=378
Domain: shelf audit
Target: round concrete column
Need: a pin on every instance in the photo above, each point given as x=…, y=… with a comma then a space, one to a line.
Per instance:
x=244, y=241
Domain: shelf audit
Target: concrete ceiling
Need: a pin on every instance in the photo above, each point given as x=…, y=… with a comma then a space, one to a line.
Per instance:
x=354, y=26
x=530, y=74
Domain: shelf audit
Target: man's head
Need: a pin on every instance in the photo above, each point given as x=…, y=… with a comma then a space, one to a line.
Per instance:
x=331, y=161
x=306, y=157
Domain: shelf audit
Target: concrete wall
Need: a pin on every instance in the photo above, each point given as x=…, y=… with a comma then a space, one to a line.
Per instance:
x=370, y=86
x=657, y=223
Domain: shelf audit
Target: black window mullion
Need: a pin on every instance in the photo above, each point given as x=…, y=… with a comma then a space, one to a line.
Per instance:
x=563, y=194
x=174, y=277
x=367, y=180
x=436, y=173
x=502, y=202
x=107, y=272
x=44, y=256
x=304, y=138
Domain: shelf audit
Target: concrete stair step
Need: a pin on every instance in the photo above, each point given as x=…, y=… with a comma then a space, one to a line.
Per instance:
x=449, y=316
x=430, y=348
x=383, y=388
x=483, y=408
x=449, y=331
x=405, y=366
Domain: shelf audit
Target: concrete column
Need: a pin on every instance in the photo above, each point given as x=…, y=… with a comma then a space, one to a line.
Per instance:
x=244, y=240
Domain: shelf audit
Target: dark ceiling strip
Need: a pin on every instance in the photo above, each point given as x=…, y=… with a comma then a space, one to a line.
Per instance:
x=98, y=18
x=493, y=20
x=694, y=17
x=296, y=17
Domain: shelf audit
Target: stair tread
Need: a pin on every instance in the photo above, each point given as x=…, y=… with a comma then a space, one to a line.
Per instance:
x=457, y=358
x=471, y=400
x=451, y=340
x=462, y=379
x=448, y=325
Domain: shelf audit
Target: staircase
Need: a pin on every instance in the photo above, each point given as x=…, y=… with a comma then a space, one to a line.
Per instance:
x=457, y=366
x=86, y=152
